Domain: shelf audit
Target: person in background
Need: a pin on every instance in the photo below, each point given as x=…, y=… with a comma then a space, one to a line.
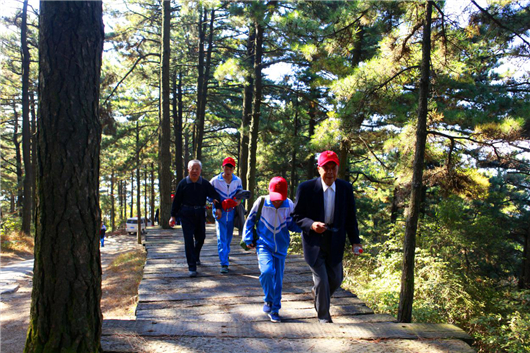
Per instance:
x=273, y=228
x=325, y=210
x=227, y=185
x=189, y=205
x=102, y=234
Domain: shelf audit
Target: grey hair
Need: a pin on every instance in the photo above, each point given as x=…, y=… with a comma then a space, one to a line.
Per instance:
x=194, y=161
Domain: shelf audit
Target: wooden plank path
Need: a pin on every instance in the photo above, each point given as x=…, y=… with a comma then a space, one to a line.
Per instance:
x=217, y=312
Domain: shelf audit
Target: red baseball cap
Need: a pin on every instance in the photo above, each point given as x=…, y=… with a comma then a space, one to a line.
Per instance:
x=278, y=189
x=326, y=157
x=229, y=160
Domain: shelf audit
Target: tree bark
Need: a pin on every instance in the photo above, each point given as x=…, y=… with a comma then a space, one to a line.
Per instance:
x=310, y=163
x=407, y=278
x=177, y=115
x=294, y=152
x=132, y=193
x=202, y=86
x=65, y=311
x=524, y=281
x=345, y=145
x=247, y=110
x=146, y=192
x=164, y=157
x=33, y=154
x=18, y=162
x=256, y=113
x=138, y=186
x=27, y=206
x=152, y=200
x=112, y=202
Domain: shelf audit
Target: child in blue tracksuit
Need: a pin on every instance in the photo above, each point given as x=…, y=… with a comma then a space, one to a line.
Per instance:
x=227, y=185
x=273, y=229
x=102, y=234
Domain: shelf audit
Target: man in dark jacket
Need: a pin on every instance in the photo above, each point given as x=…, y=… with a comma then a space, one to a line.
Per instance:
x=189, y=204
x=325, y=210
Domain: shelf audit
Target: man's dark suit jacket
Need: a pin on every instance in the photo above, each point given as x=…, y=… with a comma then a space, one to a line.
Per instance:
x=309, y=208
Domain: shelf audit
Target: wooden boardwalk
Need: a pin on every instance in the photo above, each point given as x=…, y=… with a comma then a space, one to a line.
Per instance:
x=222, y=312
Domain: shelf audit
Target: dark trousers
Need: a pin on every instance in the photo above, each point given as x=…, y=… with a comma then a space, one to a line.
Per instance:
x=327, y=279
x=193, y=226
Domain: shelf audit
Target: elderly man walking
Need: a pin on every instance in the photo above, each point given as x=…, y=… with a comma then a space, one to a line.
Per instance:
x=325, y=210
x=189, y=205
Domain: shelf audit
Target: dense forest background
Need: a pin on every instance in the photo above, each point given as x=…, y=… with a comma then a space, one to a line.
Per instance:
x=274, y=83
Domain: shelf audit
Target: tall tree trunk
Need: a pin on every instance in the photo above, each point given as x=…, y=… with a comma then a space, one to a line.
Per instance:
x=26, y=143
x=138, y=186
x=345, y=145
x=132, y=193
x=65, y=311
x=524, y=281
x=202, y=87
x=11, y=203
x=178, y=107
x=33, y=154
x=164, y=157
x=199, y=123
x=152, y=198
x=395, y=206
x=406, y=297
x=186, y=151
x=247, y=110
x=310, y=163
x=146, y=186
x=256, y=113
x=112, y=202
x=293, y=154
x=124, y=199
x=18, y=162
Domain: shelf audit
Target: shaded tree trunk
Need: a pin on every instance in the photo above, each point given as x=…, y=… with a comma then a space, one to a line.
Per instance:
x=177, y=116
x=524, y=281
x=310, y=163
x=18, y=163
x=164, y=157
x=406, y=297
x=152, y=199
x=27, y=206
x=247, y=111
x=33, y=154
x=65, y=311
x=395, y=207
x=186, y=152
x=256, y=113
x=132, y=194
x=202, y=85
x=138, y=186
x=146, y=192
x=123, y=199
x=294, y=152
x=345, y=145
x=112, y=202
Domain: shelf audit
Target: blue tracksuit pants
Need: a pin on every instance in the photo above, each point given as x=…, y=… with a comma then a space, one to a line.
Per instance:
x=224, y=229
x=271, y=278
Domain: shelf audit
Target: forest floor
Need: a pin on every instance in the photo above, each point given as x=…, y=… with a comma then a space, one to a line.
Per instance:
x=122, y=261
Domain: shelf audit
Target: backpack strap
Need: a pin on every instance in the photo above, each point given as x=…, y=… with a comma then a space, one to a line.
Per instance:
x=258, y=217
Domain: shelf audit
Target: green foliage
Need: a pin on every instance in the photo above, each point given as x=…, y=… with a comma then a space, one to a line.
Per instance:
x=10, y=224
x=506, y=327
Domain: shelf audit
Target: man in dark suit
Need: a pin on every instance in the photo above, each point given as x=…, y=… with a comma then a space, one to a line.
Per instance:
x=325, y=210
